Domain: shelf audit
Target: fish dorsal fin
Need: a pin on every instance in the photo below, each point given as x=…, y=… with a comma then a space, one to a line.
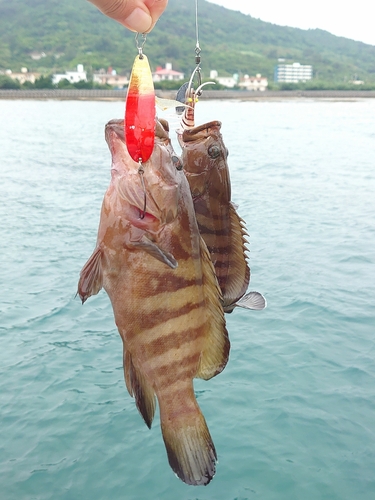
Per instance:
x=238, y=272
x=91, y=277
x=138, y=387
x=215, y=354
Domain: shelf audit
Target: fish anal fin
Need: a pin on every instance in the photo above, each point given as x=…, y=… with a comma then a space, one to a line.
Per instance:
x=127, y=363
x=215, y=353
x=190, y=450
x=91, y=276
x=139, y=387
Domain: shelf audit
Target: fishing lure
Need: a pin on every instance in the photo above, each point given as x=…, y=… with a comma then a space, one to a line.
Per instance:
x=140, y=112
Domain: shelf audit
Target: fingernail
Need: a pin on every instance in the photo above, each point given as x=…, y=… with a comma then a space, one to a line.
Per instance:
x=138, y=21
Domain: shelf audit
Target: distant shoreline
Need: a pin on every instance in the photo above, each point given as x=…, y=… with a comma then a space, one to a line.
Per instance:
x=119, y=95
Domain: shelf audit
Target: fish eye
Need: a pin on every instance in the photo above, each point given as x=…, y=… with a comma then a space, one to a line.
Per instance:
x=177, y=162
x=214, y=151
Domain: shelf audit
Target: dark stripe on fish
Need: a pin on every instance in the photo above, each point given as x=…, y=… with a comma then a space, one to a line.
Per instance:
x=225, y=231
x=166, y=283
x=159, y=316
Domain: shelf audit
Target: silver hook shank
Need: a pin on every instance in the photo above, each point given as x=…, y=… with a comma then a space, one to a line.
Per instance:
x=141, y=172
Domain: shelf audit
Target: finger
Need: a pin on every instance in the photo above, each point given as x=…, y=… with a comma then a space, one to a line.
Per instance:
x=156, y=9
x=136, y=15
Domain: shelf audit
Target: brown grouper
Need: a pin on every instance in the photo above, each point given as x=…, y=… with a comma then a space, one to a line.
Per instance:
x=204, y=158
x=157, y=271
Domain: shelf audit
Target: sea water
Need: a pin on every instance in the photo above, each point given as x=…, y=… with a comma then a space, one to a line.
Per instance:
x=293, y=414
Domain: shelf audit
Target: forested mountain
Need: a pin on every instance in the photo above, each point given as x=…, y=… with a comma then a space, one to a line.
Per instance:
x=69, y=32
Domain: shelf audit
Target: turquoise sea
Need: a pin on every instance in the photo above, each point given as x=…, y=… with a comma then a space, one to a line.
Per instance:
x=293, y=414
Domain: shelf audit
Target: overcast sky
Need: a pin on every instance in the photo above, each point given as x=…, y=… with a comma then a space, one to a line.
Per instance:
x=353, y=19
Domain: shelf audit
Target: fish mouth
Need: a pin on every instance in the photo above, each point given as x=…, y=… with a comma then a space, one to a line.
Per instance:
x=201, y=132
x=116, y=127
x=149, y=202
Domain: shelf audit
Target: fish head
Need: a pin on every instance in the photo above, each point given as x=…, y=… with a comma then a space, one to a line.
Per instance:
x=204, y=157
x=148, y=191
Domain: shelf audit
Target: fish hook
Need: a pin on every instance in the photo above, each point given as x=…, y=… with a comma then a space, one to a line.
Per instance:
x=190, y=85
x=141, y=172
x=190, y=89
x=140, y=45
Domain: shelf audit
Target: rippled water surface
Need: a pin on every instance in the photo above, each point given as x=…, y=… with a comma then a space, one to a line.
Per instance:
x=293, y=414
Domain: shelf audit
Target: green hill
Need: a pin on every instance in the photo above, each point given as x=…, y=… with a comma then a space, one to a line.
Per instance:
x=69, y=32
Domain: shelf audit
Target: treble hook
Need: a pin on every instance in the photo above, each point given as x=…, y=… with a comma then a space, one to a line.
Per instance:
x=141, y=172
x=140, y=45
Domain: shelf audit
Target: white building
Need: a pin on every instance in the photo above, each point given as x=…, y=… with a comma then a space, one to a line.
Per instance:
x=23, y=76
x=71, y=76
x=257, y=82
x=167, y=73
x=110, y=77
x=227, y=81
x=356, y=82
x=37, y=55
x=293, y=73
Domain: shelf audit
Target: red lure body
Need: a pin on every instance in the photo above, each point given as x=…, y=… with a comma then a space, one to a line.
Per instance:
x=140, y=113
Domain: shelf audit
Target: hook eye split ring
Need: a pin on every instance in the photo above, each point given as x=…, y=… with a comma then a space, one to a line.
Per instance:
x=140, y=45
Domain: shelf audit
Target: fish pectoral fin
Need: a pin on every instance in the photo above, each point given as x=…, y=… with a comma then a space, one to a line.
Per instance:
x=155, y=251
x=215, y=353
x=140, y=389
x=252, y=300
x=91, y=277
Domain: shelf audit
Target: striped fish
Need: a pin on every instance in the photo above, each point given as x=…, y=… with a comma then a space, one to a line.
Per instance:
x=204, y=158
x=156, y=269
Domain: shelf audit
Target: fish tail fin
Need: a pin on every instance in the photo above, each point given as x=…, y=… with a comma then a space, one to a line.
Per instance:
x=191, y=452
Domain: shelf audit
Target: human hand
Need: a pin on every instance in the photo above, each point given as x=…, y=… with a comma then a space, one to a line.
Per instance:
x=136, y=15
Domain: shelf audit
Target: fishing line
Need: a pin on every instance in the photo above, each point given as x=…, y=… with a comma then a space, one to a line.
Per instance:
x=186, y=94
x=197, y=71
x=197, y=47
